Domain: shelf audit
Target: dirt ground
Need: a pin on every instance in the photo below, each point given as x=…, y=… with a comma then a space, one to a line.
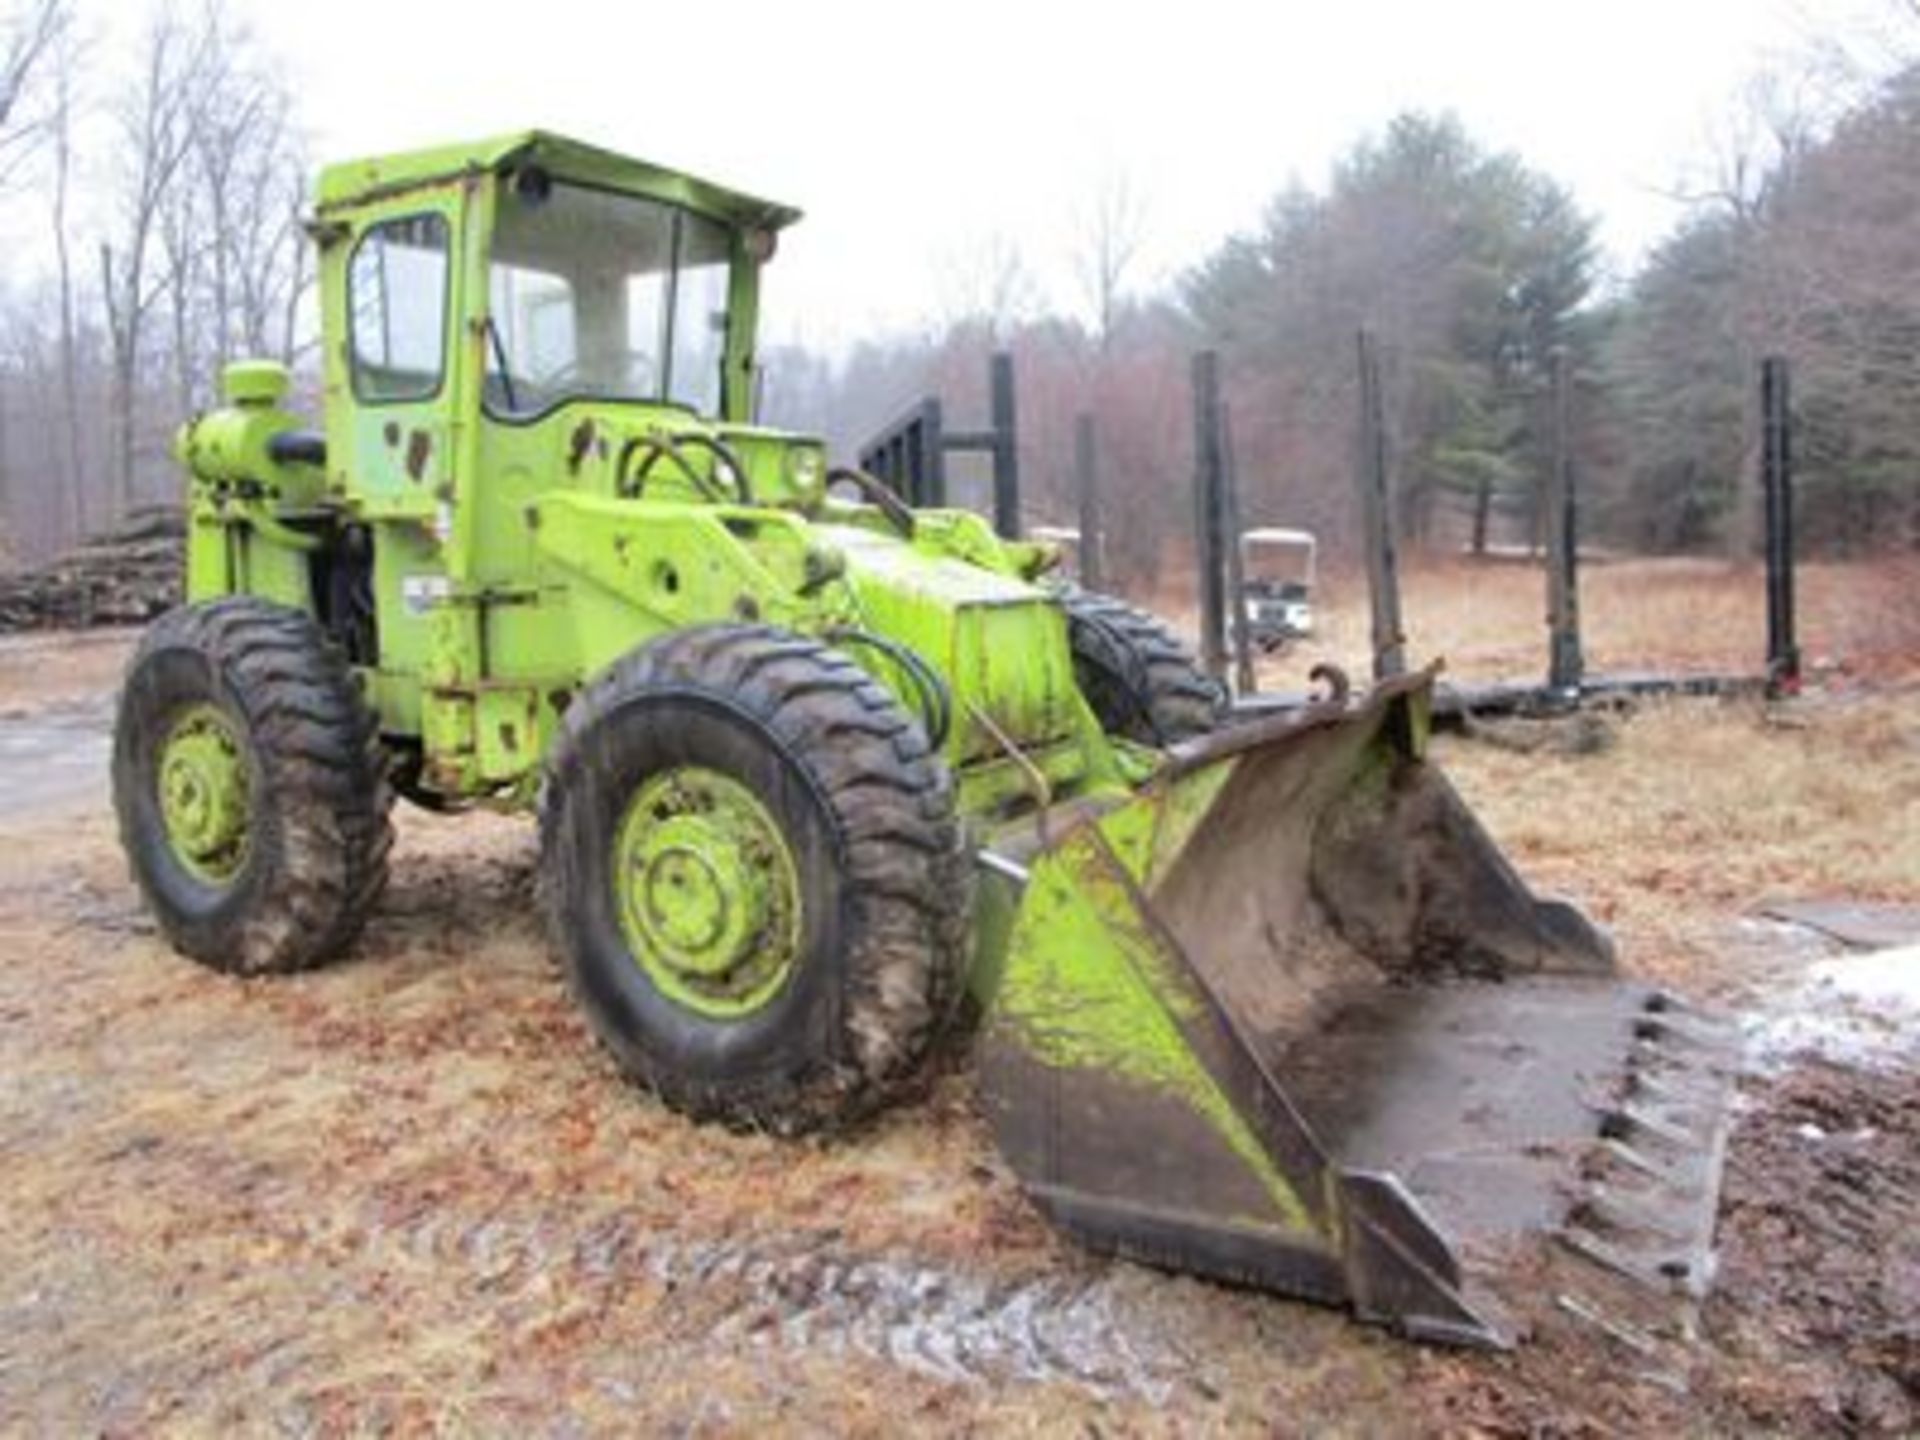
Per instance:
x=406, y=1194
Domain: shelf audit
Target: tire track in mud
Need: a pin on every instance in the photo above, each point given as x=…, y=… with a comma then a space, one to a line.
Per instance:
x=802, y=1291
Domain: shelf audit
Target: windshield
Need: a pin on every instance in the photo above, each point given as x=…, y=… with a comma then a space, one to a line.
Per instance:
x=596, y=295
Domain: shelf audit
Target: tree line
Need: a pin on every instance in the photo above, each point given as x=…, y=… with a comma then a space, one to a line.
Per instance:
x=1476, y=271
x=161, y=176
x=167, y=204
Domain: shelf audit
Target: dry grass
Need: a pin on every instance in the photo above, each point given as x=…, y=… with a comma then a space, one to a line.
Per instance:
x=406, y=1194
x=1701, y=811
x=377, y=1198
x=1488, y=621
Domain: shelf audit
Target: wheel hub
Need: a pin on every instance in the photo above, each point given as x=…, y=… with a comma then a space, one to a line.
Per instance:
x=708, y=895
x=204, y=792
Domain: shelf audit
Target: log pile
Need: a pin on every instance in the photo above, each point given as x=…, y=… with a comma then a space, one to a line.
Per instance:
x=123, y=577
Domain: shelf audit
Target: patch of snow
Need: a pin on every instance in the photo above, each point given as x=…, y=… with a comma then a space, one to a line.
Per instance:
x=1858, y=1010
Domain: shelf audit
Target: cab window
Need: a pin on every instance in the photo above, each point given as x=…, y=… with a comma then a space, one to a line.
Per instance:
x=397, y=305
x=595, y=295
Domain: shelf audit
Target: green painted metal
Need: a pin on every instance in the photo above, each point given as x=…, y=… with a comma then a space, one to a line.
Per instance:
x=709, y=897
x=1089, y=983
x=519, y=550
x=516, y=557
x=204, y=793
x=512, y=560
x=351, y=184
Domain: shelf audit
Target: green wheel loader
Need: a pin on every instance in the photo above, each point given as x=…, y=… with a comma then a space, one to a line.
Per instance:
x=820, y=776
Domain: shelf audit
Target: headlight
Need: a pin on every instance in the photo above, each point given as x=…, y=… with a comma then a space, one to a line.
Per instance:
x=805, y=469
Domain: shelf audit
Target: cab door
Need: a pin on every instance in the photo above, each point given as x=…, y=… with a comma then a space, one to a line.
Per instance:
x=388, y=385
x=390, y=290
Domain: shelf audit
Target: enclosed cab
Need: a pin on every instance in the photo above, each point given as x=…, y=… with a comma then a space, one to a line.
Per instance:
x=539, y=451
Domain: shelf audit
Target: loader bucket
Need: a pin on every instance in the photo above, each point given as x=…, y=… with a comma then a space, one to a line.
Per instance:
x=1287, y=1017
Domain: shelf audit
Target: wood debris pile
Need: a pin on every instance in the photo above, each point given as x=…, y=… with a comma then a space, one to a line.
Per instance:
x=125, y=576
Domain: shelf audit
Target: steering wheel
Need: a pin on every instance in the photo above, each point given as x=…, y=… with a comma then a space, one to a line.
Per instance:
x=631, y=480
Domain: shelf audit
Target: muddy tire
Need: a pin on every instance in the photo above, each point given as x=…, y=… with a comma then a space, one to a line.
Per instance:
x=250, y=787
x=755, y=879
x=1142, y=682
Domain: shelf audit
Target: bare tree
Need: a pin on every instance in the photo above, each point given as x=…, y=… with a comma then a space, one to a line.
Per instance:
x=252, y=168
x=229, y=229
x=173, y=207
x=72, y=477
x=155, y=119
x=1753, y=145
x=988, y=285
x=1112, y=232
x=27, y=39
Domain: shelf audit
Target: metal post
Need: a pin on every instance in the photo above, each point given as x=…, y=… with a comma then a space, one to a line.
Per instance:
x=1208, y=485
x=1776, y=478
x=911, y=455
x=1243, y=675
x=1086, y=487
x=1376, y=508
x=1565, y=663
x=1006, y=449
x=930, y=476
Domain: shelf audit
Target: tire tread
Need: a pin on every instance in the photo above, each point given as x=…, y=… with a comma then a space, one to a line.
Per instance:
x=907, y=876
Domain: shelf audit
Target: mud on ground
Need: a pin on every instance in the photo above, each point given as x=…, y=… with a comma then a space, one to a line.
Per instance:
x=407, y=1194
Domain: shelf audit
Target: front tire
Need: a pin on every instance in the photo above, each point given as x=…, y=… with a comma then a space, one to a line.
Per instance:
x=755, y=878
x=250, y=787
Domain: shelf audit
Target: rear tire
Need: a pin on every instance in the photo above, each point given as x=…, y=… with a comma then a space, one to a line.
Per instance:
x=755, y=878
x=1142, y=682
x=250, y=787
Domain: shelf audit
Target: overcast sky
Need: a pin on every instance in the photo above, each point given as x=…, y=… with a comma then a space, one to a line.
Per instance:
x=911, y=133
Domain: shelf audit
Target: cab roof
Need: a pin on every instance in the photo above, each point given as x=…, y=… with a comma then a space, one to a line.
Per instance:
x=1276, y=535
x=355, y=182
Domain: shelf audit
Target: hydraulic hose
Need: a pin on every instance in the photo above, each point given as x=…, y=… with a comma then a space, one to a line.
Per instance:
x=936, y=701
x=875, y=492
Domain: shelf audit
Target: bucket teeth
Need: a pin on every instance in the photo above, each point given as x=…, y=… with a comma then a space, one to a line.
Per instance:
x=1643, y=1227
x=1627, y=1122
x=1676, y=1271
x=1629, y=1335
x=1619, y=1152
x=1606, y=1208
x=1686, y=1026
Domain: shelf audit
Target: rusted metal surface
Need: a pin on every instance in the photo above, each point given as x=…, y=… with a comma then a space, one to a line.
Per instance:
x=1776, y=483
x=419, y=452
x=579, y=445
x=1091, y=555
x=1374, y=474
x=1290, y=1019
x=1211, y=541
x=1454, y=705
x=910, y=452
x=1565, y=662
